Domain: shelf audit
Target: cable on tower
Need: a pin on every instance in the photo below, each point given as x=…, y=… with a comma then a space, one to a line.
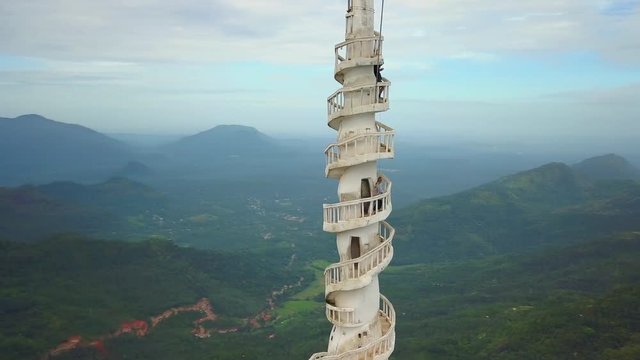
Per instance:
x=380, y=34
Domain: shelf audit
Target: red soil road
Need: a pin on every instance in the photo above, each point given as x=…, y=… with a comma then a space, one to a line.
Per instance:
x=140, y=328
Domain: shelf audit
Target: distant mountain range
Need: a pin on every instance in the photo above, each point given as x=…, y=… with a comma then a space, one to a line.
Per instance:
x=34, y=149
x=552, y=203
x=37, y=150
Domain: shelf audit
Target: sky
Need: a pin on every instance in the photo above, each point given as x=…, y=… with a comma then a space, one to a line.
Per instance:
x=469, y=68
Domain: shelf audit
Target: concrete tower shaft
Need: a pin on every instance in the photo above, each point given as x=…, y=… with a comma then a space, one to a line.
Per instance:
x=360, y=19
x=363, y=320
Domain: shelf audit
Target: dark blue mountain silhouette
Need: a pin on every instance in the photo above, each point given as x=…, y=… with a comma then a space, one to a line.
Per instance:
x=34, y=149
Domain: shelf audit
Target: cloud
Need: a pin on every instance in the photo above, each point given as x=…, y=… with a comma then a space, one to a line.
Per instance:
x=68, y=73
x=526, y=17
x=166, y=59
x=167, y=30
x=292, y=31
x=516, y=28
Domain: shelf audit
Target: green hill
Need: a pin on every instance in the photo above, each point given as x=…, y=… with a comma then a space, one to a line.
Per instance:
x=579, y=302
x=31, y=213
x=118, y=195
x=516, y=213
x=225, y=215
x=608, y=167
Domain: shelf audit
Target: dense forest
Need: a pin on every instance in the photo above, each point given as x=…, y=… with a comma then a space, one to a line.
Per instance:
x=576, y=301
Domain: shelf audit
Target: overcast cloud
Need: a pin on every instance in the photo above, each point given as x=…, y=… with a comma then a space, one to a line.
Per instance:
x=187, y=65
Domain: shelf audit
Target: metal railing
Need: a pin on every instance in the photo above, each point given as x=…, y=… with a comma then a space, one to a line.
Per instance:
x=353, y=269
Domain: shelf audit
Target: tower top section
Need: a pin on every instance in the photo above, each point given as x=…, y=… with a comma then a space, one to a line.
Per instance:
x=360, y=19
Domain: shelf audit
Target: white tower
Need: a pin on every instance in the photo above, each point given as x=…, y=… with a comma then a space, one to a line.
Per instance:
x=363, y=320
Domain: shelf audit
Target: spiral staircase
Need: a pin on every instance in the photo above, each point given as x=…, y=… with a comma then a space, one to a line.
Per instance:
x=363, y=319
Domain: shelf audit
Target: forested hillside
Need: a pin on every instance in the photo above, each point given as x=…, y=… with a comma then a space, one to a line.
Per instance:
x=70, y=286
x=550, y=205
x=538, y=265
x=114, y=207
x=578, y=302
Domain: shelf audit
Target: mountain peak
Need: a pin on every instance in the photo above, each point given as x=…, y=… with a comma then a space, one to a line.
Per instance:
x=34, y=122
x=31, y=117
x=231, y=127
x=230, y=130
x=34, y=149
x=225, y=140
x=554, y=183
x=607, y=167
x=548, y=174
x=27, y=120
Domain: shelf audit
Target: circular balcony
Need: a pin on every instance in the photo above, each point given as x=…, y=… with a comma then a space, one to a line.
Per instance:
x=357, y=52
x=379, y=349
x=357, y=100
x=345, y=317
x=357, y=273
x=360, y=148
x=349, y=215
